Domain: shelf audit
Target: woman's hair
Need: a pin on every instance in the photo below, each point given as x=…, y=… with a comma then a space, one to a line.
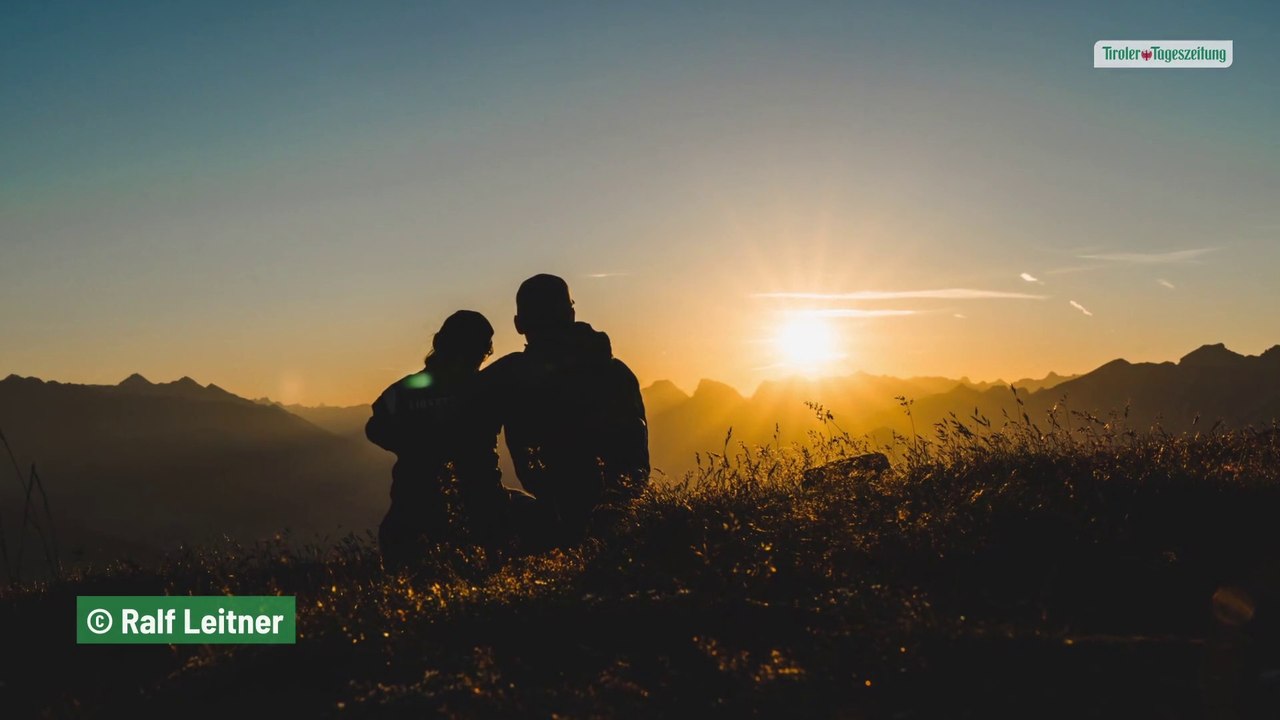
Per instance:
x=462, y=342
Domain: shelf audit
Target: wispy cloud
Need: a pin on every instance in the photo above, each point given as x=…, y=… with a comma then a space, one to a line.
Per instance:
x=962, y=316
x=1081, y=308
x=1166, y=283
x=1069, y=269
x=942, y=294
x=597, y=276
x=1164, y=258
x=1029, y=278
x=854, y=313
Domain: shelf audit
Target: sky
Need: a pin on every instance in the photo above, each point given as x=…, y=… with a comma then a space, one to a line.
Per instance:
x=287, y=198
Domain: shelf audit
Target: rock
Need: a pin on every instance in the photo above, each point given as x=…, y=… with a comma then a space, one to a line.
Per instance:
x=870, y=464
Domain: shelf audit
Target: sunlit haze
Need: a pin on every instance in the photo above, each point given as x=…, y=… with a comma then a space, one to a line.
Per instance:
x=286, y=199
x=808, y=345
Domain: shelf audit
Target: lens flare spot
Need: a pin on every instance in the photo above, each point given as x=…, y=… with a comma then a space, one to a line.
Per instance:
x=1232, y=606
x=290, y=388
x=417, y=381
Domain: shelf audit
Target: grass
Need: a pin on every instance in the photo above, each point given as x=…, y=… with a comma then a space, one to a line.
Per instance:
x=994, y=570
x=37, y=519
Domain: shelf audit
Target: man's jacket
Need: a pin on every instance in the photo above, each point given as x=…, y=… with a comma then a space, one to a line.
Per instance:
x=574, y=421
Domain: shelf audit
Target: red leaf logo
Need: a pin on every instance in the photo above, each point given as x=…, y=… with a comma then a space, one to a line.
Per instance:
x=1146, y=54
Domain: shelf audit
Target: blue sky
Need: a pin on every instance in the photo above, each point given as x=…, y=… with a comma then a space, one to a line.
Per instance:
x=287, y=198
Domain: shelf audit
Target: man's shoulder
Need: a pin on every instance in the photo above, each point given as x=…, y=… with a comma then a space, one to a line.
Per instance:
x=508, y=360
x=504, y=366
x=504, y=372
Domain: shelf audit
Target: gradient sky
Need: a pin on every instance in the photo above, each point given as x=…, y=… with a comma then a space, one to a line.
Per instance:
x=287, y=198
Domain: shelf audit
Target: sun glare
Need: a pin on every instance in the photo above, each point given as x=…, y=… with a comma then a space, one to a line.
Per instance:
x=807, y=344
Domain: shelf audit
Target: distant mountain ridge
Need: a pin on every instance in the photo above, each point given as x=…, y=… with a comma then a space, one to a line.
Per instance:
x=342, y=420
x=1209, y=385
x=136, y=384
x=141, y=466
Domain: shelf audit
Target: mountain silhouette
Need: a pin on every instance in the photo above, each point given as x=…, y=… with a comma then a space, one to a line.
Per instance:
x=661, y=397
x=1214, y=356
x=1210, y=385
x=134, y=468
x=1053, y=379
x=342, y=420
x=133, y=383
x=777, y=411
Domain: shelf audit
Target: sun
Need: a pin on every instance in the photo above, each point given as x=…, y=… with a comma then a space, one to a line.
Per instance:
x=807, y=344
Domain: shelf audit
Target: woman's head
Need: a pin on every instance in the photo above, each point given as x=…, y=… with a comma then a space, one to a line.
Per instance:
x=462, y=342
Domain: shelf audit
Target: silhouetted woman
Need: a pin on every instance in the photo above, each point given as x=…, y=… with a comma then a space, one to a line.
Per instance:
x=446, y=485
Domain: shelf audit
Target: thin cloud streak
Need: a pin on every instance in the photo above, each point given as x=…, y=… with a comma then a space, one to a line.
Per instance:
x=943, y=294
x=597, y=276
x=1069, y=269
x=1166, y=283
x=854, y=313
x=1029, y=278
x=1081, y=308
x=1165, y=258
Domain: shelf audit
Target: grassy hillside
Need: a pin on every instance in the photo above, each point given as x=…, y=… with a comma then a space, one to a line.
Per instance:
x=1080, y=571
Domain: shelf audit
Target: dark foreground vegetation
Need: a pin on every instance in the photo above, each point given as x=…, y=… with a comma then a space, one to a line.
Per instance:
x=1077, y=570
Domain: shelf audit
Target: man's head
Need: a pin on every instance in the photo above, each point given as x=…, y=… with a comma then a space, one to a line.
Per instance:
x=543, y=306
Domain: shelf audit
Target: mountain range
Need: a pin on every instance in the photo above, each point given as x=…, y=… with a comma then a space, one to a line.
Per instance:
x=1211, y=385
x=136, y=468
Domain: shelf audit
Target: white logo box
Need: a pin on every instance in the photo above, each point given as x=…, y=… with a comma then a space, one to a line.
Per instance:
x=1163, y=54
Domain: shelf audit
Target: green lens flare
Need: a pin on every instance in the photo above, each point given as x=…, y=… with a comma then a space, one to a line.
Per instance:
x=418, y=381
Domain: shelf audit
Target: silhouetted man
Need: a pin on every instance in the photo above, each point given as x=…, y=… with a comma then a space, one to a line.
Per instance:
x=572, y=412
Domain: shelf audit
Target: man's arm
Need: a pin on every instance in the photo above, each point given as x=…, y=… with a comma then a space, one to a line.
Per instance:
x=630, y=430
